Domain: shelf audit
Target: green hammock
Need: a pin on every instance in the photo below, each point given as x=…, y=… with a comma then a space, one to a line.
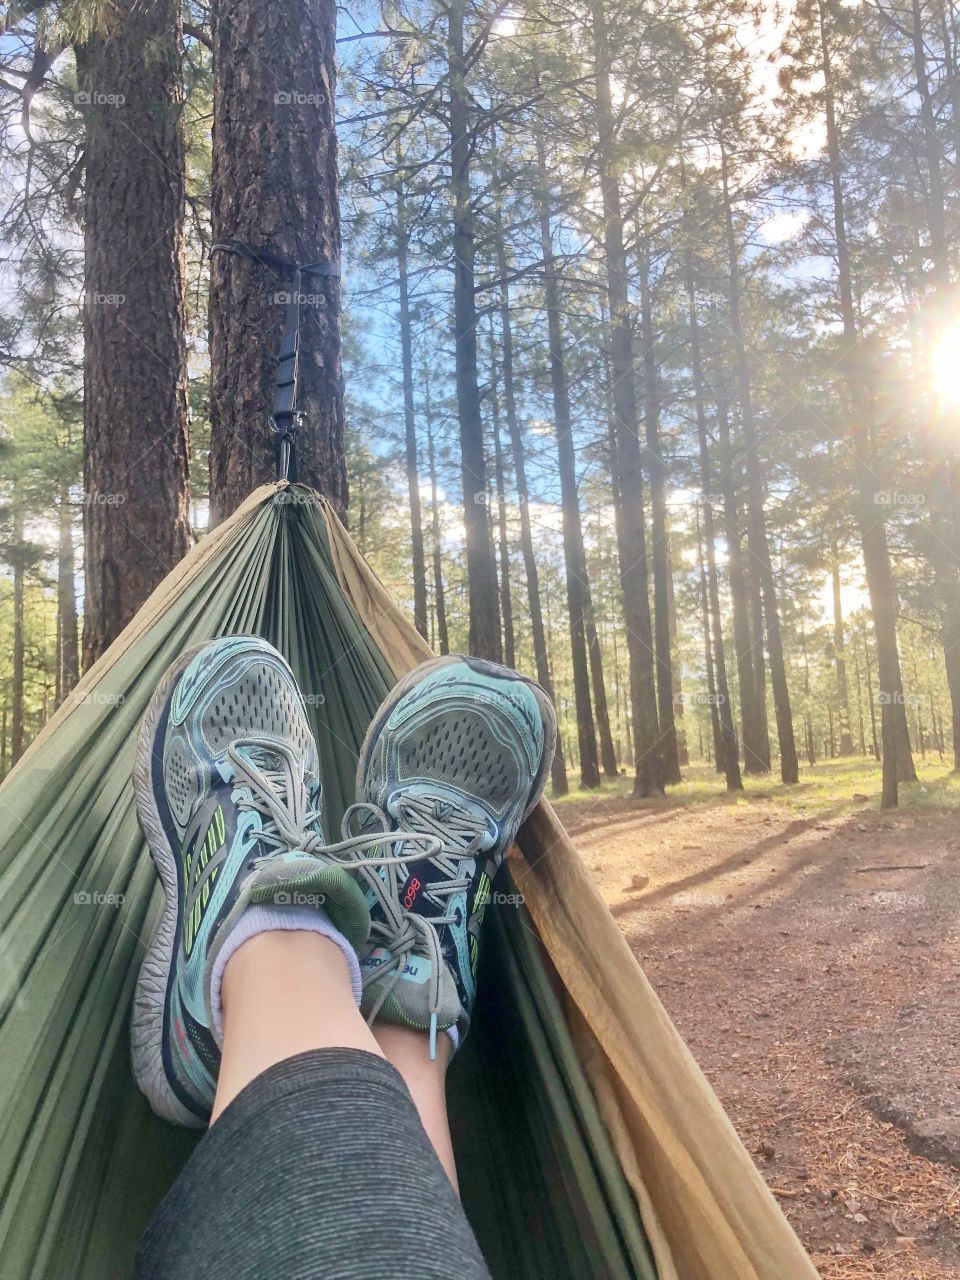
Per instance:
x=588, y=1143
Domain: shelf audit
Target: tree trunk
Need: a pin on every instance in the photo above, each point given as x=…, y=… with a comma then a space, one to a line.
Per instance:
x=68, y=660
x=484, y=631
x=863, y=738
x=573, y=552
x=718, y=749
x=729, y=755
x=417, y=556
x=683, y=751
x=755, y=757
x=541, y=650
x=660, y=550
x=757, y=539
x=273, y=186
x=439, y=598
x=875, y=740
x=942, y=454
x=839, y=658
x=897, y=760
x=135, y=464
x=503, y=542
x=807, y=718
x=631, y=533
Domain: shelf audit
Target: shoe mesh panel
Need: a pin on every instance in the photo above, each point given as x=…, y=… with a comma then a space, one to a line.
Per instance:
x=263, y=701
x=458, y=748
x=179, y=773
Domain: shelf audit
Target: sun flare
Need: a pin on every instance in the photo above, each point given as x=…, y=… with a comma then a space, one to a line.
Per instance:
x=945, y=366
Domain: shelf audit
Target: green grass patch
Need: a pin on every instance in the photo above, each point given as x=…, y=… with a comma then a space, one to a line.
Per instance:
x=840, y=785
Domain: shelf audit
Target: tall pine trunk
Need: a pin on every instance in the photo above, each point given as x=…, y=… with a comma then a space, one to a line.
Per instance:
x=944, y=464
x=897, y=759
x=574, y=556
x=503, y=539
x=757, y=540
x=273, y=186
x=725, y=734
x=484, y=626
x=417, y=555
x=704, y=598
x=660, y=550
x=839, y=654
x=135, y=463
x=631, y=532
x=541, y=653
x=755, y=758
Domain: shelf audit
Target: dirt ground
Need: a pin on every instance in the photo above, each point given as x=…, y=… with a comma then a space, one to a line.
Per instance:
x=813, y=967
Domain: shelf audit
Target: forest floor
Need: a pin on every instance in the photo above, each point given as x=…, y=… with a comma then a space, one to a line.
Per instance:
x=806, y=945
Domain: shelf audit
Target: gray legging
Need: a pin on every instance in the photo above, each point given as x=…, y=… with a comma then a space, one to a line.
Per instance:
x=319, y=1170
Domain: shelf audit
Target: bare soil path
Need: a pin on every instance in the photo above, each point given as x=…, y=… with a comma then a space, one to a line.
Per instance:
x=813, y=966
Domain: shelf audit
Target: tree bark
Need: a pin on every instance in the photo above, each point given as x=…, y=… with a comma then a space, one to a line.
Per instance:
x=660, y=550
x=273, y=186
x=417, y=555
x=484, y=629
x=135, y=464
x=631, y=533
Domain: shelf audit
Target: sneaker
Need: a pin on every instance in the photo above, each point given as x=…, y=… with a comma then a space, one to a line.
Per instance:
x=460, y=750
x=228, y=795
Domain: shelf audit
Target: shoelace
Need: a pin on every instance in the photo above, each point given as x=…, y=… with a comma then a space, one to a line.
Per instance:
x=460, y=835
x=280, y=796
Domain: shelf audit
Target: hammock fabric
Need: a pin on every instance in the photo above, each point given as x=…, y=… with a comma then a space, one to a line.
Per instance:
x=590, y=1145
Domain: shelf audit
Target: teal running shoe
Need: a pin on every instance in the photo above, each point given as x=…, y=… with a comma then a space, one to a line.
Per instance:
x=228, y=795
x=460, y=750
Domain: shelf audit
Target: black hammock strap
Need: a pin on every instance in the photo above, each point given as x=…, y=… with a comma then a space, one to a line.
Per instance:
x=285, y=419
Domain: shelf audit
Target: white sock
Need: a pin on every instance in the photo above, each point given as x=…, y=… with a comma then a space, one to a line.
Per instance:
x=264, y=920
